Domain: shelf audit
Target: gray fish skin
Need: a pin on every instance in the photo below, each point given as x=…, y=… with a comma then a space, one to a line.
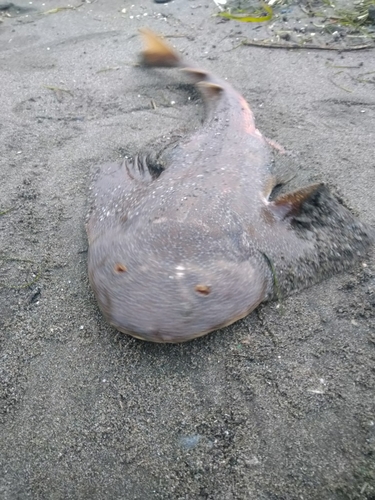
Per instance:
x=177, y=254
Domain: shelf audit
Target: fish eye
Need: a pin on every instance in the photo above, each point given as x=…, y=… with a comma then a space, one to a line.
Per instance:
x=120, y=268
x=203, y=289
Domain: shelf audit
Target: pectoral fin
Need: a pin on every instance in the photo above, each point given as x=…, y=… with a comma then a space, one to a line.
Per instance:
x=269, y=186
x=209, y=90
x=290, y=204
x=199, y=75
x=142, y=168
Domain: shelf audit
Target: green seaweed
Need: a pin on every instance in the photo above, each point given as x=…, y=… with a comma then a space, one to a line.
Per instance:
x=276, y=285
x=58, y=89
x=356, y=17
x=242, y=16
x=61, y=9
x=6, y=211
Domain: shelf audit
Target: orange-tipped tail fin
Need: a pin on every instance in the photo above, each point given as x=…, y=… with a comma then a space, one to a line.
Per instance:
x=157, y=52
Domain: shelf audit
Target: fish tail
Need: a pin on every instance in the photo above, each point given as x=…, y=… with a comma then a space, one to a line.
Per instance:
x=157, y=52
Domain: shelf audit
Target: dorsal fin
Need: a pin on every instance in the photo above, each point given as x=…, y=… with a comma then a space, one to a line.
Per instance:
x=290, y=204
x=210, y=90
x=197, y=74
x=156, y=51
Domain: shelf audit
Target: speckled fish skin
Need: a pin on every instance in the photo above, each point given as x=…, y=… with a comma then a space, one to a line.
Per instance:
x=177, y=254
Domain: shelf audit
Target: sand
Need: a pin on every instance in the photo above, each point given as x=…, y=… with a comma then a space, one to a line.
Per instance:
x=280, y=405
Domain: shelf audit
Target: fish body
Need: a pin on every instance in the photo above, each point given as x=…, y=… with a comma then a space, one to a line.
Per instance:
x=177, y=252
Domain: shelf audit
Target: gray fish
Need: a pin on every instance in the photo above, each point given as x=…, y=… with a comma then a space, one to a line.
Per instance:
x=179, y=250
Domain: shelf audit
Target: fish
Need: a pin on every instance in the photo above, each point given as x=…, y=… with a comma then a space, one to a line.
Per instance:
x=185, y=246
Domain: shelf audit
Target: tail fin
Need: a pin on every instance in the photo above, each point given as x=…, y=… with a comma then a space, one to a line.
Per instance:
x=156, y=52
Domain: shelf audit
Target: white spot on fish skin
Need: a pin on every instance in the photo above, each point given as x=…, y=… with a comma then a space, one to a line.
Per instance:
x=180, y=274
x=160, y=220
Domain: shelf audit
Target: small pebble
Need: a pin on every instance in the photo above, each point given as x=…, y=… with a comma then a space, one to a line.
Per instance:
x=189, y=442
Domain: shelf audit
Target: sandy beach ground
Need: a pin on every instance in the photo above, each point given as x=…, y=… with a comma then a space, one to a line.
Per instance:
x=279, y=406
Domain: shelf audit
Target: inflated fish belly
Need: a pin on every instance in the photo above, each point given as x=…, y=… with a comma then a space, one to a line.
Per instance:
x=180, y=250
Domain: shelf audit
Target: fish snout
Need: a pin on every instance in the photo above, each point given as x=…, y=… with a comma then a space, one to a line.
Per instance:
x=162, y=301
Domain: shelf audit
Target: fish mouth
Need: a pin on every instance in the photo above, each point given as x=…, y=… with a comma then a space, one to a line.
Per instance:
x=164, y=338
x=160, y=337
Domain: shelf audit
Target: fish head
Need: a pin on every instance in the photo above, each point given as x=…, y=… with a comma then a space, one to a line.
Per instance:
x=160, y=293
